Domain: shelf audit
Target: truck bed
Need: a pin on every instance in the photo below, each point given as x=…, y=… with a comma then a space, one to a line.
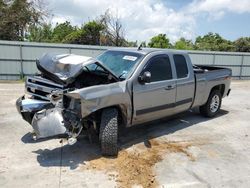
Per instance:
x=206, y=77
x=202, y=68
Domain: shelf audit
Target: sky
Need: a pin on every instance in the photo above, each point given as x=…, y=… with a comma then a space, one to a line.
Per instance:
x=143, y=19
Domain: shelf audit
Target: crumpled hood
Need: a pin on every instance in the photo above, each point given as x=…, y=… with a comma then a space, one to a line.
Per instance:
x=64, y=67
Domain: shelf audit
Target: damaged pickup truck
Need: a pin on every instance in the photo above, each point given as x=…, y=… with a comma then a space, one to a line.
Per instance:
x=120, y=88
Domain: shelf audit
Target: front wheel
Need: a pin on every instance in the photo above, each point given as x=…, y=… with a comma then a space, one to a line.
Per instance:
x=213, y=104
x=108, y=135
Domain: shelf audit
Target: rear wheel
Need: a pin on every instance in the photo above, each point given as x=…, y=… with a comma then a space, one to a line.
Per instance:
x=213, y=104
x=109, y=132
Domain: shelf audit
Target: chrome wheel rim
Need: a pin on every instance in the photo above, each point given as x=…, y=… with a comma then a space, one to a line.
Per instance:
x=215, y=102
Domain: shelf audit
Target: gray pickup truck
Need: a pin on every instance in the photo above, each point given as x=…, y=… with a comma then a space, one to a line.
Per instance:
x=120, y=88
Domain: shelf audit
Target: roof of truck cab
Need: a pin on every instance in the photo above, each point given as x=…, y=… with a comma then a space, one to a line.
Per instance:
x=146, y=51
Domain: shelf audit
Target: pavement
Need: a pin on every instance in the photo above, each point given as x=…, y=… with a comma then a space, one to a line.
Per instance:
x=185, y=151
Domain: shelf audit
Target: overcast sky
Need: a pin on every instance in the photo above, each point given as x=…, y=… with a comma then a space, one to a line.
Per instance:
x=143, y=19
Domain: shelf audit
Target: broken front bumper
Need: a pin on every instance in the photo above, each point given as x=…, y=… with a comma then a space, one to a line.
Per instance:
x=44, y=117
x=28, y=107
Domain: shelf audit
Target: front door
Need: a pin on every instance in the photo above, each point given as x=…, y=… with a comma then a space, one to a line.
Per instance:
x=155, y=99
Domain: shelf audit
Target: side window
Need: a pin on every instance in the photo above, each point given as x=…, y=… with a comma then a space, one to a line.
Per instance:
x=181, y=66
x=160, y=68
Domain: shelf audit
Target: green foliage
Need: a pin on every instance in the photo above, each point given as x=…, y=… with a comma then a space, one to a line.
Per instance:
x=89, y=34
x=159, y=41
x=184, y=44
x=76, y=37
x=131, y=44
x=46, y=33
x=16, y=16
x=66, y=33
x=43, y=33
x=213, y=42
x=242, y=44
x=144, y=44
x=92, y=32
x=61, y=31
x=23, y=20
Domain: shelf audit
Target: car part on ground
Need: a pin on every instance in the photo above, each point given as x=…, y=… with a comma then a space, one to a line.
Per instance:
x=47, y=123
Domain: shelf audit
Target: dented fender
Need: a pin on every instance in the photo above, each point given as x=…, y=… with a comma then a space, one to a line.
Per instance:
x=102, y=96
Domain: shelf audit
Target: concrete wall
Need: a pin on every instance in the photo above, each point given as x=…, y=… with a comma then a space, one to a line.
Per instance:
x=17, y=58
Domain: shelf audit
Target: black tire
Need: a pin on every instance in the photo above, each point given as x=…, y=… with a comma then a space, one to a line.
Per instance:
x=205, y=110
x=109, y=132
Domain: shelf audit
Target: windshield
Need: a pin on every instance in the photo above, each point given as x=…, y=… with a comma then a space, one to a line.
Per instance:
x=121, y=63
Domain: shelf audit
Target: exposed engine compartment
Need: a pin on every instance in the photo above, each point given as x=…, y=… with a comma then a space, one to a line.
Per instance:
x=73, y=71
x=86, y=79
x=61, y=74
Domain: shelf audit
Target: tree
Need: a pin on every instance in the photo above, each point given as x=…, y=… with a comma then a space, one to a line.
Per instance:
x=4, y=35
x=183, y=44
x=61, y=31
x=113, y=32
x=242, y=44
x=46, y=33
x=87, y=34
x=131, y=44
x=159, y=41
x=76, y=37
x=17, y=16
x=144, y=44
x=43, y=33
x=213, y=42
x=92, y=32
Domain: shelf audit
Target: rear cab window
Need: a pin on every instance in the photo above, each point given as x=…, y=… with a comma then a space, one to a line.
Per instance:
x=180, y=66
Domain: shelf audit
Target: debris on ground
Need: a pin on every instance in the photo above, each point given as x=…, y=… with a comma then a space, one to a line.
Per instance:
x=136, y=167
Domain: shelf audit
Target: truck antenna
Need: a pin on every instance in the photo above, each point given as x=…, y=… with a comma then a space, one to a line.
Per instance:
x=140, y=47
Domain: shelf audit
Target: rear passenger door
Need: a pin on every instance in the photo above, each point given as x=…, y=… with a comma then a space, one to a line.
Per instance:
x=185, y=84
x=155, y=99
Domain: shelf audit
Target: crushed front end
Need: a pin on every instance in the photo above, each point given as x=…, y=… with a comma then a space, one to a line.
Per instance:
x=66, y=97
x=43, y=108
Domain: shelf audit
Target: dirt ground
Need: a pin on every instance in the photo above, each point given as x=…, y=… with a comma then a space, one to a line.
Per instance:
x=185, y=151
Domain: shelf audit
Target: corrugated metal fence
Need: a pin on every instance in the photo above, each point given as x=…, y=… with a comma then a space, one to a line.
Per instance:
x=18, y=58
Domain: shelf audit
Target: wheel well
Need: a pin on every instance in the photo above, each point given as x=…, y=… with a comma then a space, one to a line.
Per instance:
x=220, y=87
x=121, y=116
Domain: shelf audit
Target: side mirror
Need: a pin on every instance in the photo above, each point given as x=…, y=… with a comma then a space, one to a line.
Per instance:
x=145, y=77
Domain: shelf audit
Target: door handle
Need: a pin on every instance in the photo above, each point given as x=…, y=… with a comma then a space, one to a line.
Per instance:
x=169, y=87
